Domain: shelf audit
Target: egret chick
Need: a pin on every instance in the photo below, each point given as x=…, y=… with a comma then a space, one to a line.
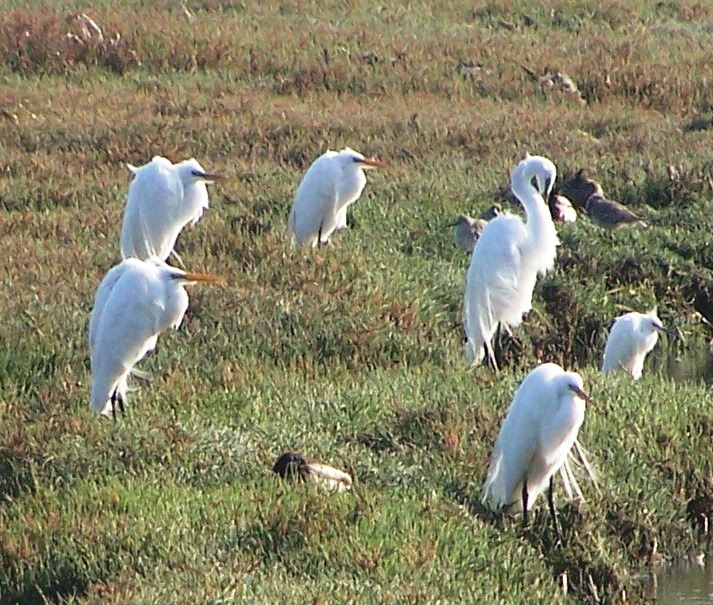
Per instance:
x=134, y=303
x=332, y=183
x=579, y=188
x=610, y=215
x=293, y=466
x=535, y=439
x=631, y=338
x=507, y=259
x=163, y=198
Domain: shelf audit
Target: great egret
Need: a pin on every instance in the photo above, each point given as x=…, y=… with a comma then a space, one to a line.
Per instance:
x=610, y=215
x=135, y=302
x=507, y=259
x=631, y=338
x=467, y=230
x=332, y=183
x=163, y=198
x=579, y=188
x=561, y=209
x=535, y=440
x=293, y=466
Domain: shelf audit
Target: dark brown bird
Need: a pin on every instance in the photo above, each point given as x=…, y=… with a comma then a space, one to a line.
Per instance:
x=579, y=188
x=610, y=215
x=291, y=466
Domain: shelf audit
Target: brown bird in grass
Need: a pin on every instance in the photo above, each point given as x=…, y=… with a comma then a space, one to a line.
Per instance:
x=579, y=188
x=610, y=215
x=293, y=466
x=467, y=229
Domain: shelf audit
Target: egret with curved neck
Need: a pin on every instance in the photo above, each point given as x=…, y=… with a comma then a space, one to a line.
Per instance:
x=507, y=258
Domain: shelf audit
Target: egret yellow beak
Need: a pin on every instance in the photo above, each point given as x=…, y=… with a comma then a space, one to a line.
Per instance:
x=200, y=277
x=373, y=163
x=581, y=394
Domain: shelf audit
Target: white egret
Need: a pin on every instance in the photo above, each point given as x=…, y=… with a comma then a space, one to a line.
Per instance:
x=631, y=338
x=135, y=302
x=291, y=466
x=332, y=183
x=467, y=230
x=163, y=198
x=610, y=215
x=535, y=440
x=507, y=258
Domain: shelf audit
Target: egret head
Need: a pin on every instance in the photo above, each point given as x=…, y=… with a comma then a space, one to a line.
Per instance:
x=539, y=172
x=349, y=155
x=190, y=171
x=572, y=382
x=652, y=323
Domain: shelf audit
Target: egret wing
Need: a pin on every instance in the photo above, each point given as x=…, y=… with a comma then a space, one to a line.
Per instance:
x=313, y=211
x=154, y=198
x=125, y=330
x=492, y=282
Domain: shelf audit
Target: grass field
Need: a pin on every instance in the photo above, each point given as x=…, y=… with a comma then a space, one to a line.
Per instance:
x=352, y=355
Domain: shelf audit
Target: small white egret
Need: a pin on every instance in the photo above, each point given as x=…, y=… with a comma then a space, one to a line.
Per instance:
x=163, y=198
x=135, y=302
x=631, y=338
x=332, y=183
x=293, y=466
x=610, y=215
x=507, y=258
x=535, y=440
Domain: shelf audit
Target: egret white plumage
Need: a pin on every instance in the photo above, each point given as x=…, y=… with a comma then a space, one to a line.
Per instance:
x=507, y=258
x=630, y=340
x=332, y=183
x=163, y=198
x=134, y=303
x=535, y=440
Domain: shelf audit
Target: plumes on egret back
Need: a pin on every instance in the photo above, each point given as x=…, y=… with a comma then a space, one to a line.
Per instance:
x=332, y=183
x=630, y=340
x=535, y=439
x=163, y=198
x=507, y=258
x=134, y=303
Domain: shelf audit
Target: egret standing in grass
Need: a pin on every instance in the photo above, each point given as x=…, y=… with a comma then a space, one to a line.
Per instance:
x=163, y=199
x=508, y=257
x=535, y=440
x=332, y=183
x=631, y=338
x=134, y=303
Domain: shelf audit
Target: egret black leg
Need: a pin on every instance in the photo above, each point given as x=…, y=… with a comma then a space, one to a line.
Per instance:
x=490, y=356
x=498, y=348
x=114, y=398
x=524, y=502
x=319, y=236
x=553, y=510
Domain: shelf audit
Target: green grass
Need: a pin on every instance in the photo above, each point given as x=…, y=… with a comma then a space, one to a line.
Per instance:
x=352, y=355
